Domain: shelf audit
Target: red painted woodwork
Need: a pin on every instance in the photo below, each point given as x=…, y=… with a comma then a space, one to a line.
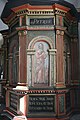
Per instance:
x=22, y=59
x=27, y=6
x=28, y=36
x=59, y=62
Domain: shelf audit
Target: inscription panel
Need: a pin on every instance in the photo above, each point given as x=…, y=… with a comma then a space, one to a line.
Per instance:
x=13, y=101
x=41, y=104
x=41, y=21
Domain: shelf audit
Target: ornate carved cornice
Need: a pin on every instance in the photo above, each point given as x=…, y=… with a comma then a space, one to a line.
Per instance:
x=33, y=10
x=70, y=17
x=40, y=10
x=27, y=9
x=11, y=19
x=23, y=92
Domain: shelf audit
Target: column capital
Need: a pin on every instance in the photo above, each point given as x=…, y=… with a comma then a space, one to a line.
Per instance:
x=21, y=33
x=74, y=40
x=52, y=51
x=60, y=32
x=30, y=51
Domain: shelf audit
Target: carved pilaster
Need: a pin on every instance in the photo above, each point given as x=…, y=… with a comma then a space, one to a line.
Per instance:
x=22, y=57
x=69, y=67
x=60, y=82
x=30, y=67
x=52, y=53
x=10, y=69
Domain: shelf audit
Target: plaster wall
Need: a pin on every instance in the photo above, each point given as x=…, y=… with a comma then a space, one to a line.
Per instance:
x=2, y=4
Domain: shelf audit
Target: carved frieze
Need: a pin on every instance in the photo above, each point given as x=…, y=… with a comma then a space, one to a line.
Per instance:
x=41, y=21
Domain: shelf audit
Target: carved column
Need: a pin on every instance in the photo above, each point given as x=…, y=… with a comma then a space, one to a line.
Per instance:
x=30, y=67
x=60, y=58
x=22, y=58
x=10, y=69
x=69, y=68
x=52, y=54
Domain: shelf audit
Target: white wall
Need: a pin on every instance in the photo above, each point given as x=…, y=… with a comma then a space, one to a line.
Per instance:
x=2, y=4
x=76, y=3
x=2, y=25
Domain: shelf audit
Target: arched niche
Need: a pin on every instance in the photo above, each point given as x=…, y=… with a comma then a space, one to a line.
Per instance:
x=41, y=62
x=13, y=62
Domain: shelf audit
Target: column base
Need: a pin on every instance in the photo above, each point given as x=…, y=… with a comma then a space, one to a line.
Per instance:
x=60, y=85
x=24, y=118
x=20, y=118
x=21, y=86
